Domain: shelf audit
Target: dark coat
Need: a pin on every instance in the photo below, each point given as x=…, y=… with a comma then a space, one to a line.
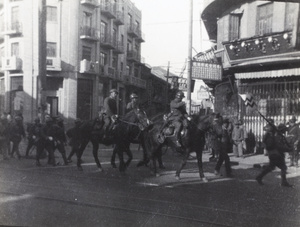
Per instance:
x=110, y=106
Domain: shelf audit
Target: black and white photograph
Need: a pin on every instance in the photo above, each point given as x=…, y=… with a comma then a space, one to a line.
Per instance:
x=149, y=113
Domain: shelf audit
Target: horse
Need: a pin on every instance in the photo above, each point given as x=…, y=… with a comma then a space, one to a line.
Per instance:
x=193, y=140
x=128, y=129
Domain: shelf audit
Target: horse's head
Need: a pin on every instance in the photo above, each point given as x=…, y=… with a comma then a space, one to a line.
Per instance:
x=204, y=122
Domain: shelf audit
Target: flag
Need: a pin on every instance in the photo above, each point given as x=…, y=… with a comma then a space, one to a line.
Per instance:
x=248, y=99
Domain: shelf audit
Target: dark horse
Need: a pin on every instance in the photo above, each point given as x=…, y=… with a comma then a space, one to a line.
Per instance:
x=128, y=129
x=193, y=140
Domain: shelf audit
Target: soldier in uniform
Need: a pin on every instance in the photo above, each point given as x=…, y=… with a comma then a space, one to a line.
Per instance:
x=293, y=136
x=48, y=136
x=16, y=133
x=276, y=145
x=134, y=102
x=60, y=138
x=178, y=116
x=34, y=134
x=110, y=110
x=74, y=135
x=4, y=136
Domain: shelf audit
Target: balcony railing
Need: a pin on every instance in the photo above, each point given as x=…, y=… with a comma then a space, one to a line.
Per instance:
x=108, y=9
x=53, y=64
x=89, y=67
x=108, y=71
x=133, y=56
x=120, y=18
x=135, y=81
x=89, y=33
x=91, y=3
x=119, y=47
x=134, y=31
x=106, y=41
x=14, y=28
x=11, y=63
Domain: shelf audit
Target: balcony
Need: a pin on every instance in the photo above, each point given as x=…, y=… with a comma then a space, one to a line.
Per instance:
x=119, y=48
x=89, y=33
x=53, y=64
x=14, y=28
x=119, y=18
x=135, y=81
x=88, y=67
x=270, y=48
x=108, y=71
x=108, y=9
x=106, y=41
x=119, y=75
x=134, y=31
x=11, y=63
x=133, y=56
x=90, y=3
x=141, y=38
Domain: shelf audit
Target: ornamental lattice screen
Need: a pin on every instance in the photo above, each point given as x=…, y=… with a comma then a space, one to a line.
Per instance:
x=276, y=100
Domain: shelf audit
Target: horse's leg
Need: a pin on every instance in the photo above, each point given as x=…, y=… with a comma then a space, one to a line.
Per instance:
x=183, y=163
x=159, y=159
x=119, y=151
x=113, y=158
x=95, y=142
x=129, y=154
x=199, y=162
x=79, y=152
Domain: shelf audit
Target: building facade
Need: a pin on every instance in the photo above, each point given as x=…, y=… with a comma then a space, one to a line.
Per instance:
x=258, y=45
x=63, y=57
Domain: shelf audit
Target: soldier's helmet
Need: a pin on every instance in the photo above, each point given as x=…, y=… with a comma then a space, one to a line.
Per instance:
x=133, y=96
x=48, y=118
x=18, y=118
x=180, y=95
x=293, y=119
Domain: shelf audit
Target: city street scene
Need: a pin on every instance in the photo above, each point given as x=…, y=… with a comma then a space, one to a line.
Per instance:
x=134, y=113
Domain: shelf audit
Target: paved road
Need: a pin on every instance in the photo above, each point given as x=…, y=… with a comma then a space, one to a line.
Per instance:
x=64, y=196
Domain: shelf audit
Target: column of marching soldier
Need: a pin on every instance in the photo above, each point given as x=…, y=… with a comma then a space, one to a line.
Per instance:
x=42, y=137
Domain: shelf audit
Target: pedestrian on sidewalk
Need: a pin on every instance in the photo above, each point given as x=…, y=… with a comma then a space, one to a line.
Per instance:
x=4, y=136
x=17, y=132
x=238, y=138
x=293, y=137
x=276, y=145
x=225, y=149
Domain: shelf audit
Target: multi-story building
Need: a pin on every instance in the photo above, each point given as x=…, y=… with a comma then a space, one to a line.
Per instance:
x=257, y=43
x=63, y=57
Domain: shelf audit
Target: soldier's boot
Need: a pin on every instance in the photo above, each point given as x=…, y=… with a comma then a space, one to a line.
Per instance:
x=177, y=137
x=65, y=159
x=284, y=182
x=261, y=175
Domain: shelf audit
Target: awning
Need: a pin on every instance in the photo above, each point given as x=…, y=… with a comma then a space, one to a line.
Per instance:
x=268, y=74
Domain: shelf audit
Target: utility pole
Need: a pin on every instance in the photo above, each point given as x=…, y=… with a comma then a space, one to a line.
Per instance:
x=189, y=71
x=41, y=102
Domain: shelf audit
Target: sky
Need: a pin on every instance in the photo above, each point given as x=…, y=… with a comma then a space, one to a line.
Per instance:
x=165, y=24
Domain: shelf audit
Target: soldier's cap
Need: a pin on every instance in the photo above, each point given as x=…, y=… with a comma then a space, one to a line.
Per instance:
x=226, y=120
x=77, y=121
x=270, y=120
x=18, y=118
x=114, y=90
x=238, y=122
x=293, y=119
x=281, y=127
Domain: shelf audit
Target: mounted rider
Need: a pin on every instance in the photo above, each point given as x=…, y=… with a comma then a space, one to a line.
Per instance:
x=110, y=111
x=134, y=102
x=178, y=116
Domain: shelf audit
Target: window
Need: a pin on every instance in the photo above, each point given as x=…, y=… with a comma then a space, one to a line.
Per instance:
x=103, y=58
x=114, y=36
x=129, y=19
x=289, y=16
x=137, y=25
x=86, y=53
x=87, y=19
x=103, y=29
x=264, y=19
x=129, y=45
x=234, y=26
x=15, y=18
x=15, y=49
x=51, y=13
x=51, y=50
